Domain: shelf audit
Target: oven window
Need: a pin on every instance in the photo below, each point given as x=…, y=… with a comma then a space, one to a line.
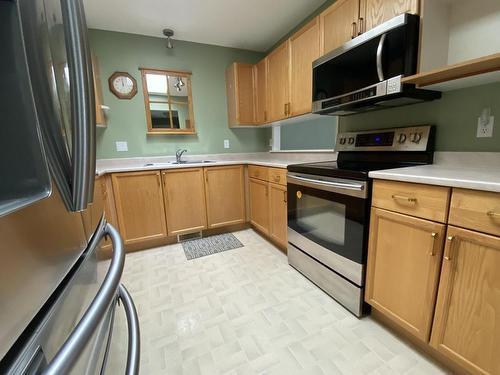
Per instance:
x=312, y=214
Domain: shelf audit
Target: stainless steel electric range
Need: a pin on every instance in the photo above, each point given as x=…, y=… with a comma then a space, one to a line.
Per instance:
x=329, y=207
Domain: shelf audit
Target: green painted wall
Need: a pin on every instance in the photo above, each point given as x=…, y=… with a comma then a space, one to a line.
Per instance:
x=455, y=116
x=315, y=134
x=126, y=118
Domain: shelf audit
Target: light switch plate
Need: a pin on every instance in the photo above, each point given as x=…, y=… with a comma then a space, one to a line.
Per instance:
x=226, y=143
x=485, y=130
x=121, y=146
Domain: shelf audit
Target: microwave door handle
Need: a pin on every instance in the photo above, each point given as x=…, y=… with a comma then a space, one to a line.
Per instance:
x=380, y=55
x=340, y=185
x=134, y=337
x=82, y=103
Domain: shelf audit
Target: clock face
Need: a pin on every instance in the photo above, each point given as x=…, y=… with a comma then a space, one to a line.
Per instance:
x=123, y=85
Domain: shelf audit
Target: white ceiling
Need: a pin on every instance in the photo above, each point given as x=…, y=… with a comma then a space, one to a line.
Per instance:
x=248, y=24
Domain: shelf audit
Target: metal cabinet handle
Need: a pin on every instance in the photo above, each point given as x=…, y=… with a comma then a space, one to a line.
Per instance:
x=134, y=336
x=82, y=103
x=447, y=256
x=361, y=25
x=434, y=236
x=380, y=52
x=68, y=354
x=285, y=199
x=353, y=34
x=404, y=198
x=493, y=214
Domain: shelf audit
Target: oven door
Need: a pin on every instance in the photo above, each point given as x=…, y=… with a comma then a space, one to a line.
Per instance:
x=327, y=219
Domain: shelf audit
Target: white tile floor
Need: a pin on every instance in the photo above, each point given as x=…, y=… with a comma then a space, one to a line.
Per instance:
x=246, y=311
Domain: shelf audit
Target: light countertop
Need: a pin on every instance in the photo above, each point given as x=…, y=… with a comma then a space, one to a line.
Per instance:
x=478, y=171
x=281, y=160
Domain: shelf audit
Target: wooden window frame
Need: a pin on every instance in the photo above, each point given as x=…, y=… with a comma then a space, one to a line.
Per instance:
x=168, y=72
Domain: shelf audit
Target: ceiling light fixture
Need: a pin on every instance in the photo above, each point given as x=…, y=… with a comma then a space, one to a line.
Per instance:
x=169, y=33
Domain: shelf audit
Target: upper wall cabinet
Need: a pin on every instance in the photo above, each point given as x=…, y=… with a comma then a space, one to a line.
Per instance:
x=168, y=101
x=100, y=118
x=278, y=82
x=240, y=94
x=339, y=24
x=304, y=49
x=260, y=91
x=379, y=11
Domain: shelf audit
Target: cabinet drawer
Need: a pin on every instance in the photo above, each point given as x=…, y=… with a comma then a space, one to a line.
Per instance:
x=277, y=176
x=477, y=210
x=258, y=172
x=425, y=201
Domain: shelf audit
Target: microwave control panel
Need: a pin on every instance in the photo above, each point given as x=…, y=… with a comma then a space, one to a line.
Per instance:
x=415, y=138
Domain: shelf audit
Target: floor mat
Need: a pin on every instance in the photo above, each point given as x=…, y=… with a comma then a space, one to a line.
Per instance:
x=210, y=245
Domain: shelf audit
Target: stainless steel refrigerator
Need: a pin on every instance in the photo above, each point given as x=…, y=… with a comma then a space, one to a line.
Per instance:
x=57, y=301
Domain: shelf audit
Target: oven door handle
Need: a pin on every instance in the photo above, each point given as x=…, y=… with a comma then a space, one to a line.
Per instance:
x=338, y=185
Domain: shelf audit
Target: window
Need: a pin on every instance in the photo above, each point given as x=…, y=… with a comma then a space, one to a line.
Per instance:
x=168, y=101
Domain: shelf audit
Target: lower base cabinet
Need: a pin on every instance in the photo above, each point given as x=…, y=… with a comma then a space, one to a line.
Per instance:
x=225, y=195
x=139, y=206
x=259, y=204
x=404, y=260
x=467, y=319
x=278, y=214
x=184, y=195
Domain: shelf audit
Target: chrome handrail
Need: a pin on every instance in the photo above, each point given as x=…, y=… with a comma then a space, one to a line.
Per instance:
x=68, y=354
x=134, y=337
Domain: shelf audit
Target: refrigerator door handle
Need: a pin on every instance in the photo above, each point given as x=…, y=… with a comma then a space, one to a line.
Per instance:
x=82, y=103
x=134, y=337
x=70, y=351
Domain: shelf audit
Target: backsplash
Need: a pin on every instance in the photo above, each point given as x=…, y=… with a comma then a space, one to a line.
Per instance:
x=455, y=116
x=126, y=118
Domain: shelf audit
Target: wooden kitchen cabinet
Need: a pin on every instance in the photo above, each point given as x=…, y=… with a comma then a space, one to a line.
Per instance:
x=278, y=82
x=225, y=195
x=339, y=24
x=100, y=117
x=278, y=215
x=184, y=195
x=240, y=94
x=467, y=320
x=404, y=260
x=260, y=91
x=378, y=11
x=304, y=49
x=139, y=206
x=259, y=204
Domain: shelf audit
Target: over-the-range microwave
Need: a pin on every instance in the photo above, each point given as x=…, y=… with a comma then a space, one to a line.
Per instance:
x=365, y=73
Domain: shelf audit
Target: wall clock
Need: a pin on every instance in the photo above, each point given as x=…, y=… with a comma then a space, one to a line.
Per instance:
x=123, y=85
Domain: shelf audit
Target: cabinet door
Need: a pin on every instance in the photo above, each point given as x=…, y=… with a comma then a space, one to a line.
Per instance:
x=100, y=118
x=404, y=258
x=109, y=208
x=278, y=213
x=278, y=82
x=379, y=11
x=339, y=24
x=225, y=195
x=139, y=206
x=304, y=49
x=467, y=320
x=240, y=96
x=260, y=82
x=259, y=204
x=184, y=194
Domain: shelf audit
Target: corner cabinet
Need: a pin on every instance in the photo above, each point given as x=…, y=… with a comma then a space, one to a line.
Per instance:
x=240, y=94
x=403, y=269
x=139, y=207
x=225, y=195
x=184, y=195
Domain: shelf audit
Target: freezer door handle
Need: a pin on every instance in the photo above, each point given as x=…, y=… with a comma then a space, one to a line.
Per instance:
x=82, y=103
x=134, y=337
x=68, y=354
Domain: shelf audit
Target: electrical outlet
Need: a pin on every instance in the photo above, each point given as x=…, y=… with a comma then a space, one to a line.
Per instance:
x=485, y=129
x=121, y=146
x=226, y=143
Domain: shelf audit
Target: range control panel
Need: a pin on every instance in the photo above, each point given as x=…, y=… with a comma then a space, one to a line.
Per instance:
x=415, y=138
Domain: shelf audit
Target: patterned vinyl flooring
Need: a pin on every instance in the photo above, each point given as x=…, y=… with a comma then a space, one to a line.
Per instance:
x=246, y=311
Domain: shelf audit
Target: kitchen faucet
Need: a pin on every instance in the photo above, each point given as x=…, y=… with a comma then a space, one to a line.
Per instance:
x=178, y=155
